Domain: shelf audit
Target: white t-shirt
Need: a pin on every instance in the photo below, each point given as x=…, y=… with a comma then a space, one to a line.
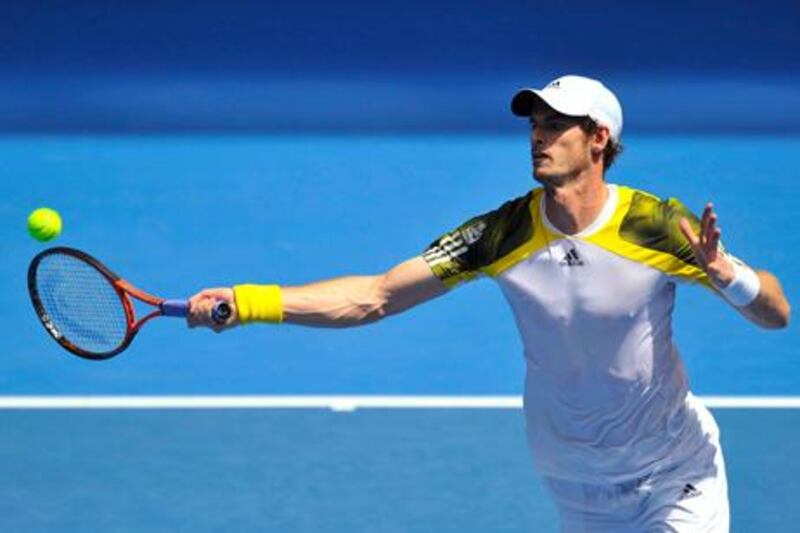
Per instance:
x=605, y=388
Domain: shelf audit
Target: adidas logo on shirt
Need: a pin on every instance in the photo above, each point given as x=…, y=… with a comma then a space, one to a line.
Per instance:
x=690, y=491
x=571, y=259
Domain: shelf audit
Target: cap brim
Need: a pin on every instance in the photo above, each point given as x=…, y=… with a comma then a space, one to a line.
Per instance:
x=526, y=101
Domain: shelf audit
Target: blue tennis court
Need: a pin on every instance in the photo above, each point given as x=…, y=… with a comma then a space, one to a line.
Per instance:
x=225, y=209
x=374, y=470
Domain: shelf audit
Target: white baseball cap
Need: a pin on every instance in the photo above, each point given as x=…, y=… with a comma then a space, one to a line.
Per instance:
x=575, y=96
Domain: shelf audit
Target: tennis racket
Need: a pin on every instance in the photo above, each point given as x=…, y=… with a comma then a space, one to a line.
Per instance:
x=88, y=309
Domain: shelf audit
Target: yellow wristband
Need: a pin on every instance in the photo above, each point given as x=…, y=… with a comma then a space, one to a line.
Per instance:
x=258, y=303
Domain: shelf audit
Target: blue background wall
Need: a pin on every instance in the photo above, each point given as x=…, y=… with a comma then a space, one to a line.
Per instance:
x=390, y=66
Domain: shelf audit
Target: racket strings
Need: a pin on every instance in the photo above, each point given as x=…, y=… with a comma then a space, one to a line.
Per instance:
x=81, y=303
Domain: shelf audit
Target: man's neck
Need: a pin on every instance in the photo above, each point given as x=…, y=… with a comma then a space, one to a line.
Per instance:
x=573, y=206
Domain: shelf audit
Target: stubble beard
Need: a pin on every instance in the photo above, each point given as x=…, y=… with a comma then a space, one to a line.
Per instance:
x=550, y=181
x=556, y=180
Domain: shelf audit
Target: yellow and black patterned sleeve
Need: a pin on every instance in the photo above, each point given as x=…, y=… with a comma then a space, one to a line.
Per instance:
x=460, y=255
x=654, y=224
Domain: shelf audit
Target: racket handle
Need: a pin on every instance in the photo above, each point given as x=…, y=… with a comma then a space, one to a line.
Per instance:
x=180, y=308
x=177, y=308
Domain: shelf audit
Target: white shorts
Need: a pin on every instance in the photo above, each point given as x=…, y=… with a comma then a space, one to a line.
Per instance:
x=688, y=497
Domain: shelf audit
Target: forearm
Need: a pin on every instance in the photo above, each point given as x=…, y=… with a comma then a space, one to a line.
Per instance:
x=770, y=309
x=755, y=294
x=336, y=303
x=358, y=300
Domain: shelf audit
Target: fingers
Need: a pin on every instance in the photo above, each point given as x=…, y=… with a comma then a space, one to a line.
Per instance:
x=710, y=236
x=705, y=245
x=709, y=233
x=688, y=232
x=694, y=240
x=201, y=307
x=712, y=245
x=705, y=221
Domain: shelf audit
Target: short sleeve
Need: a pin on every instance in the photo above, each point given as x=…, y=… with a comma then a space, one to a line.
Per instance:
x=654, y=224
x=462, y=254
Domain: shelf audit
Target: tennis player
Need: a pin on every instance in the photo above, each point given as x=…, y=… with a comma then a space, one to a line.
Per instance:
x=590, y=271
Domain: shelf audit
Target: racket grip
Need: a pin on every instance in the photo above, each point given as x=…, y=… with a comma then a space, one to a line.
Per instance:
x=180, y=308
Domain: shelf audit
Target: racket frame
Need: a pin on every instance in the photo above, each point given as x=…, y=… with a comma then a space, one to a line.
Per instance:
x=123, y=288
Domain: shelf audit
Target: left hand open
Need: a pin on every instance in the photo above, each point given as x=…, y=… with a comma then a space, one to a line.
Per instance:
x=706, y=247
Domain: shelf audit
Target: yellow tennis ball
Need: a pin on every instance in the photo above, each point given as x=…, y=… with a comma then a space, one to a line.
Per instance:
x=44, y=224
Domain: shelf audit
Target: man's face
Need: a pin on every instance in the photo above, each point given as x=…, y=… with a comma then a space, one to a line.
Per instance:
x=560, y=148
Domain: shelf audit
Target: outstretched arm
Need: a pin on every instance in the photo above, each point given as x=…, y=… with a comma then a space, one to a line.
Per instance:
x=353, y=301
x=769, y=308
x=336, y=303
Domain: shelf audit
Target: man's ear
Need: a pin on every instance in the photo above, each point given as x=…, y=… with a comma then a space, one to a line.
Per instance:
x=600, y=139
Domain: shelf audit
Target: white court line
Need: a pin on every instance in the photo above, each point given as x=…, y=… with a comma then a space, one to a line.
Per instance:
x=336, y=403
